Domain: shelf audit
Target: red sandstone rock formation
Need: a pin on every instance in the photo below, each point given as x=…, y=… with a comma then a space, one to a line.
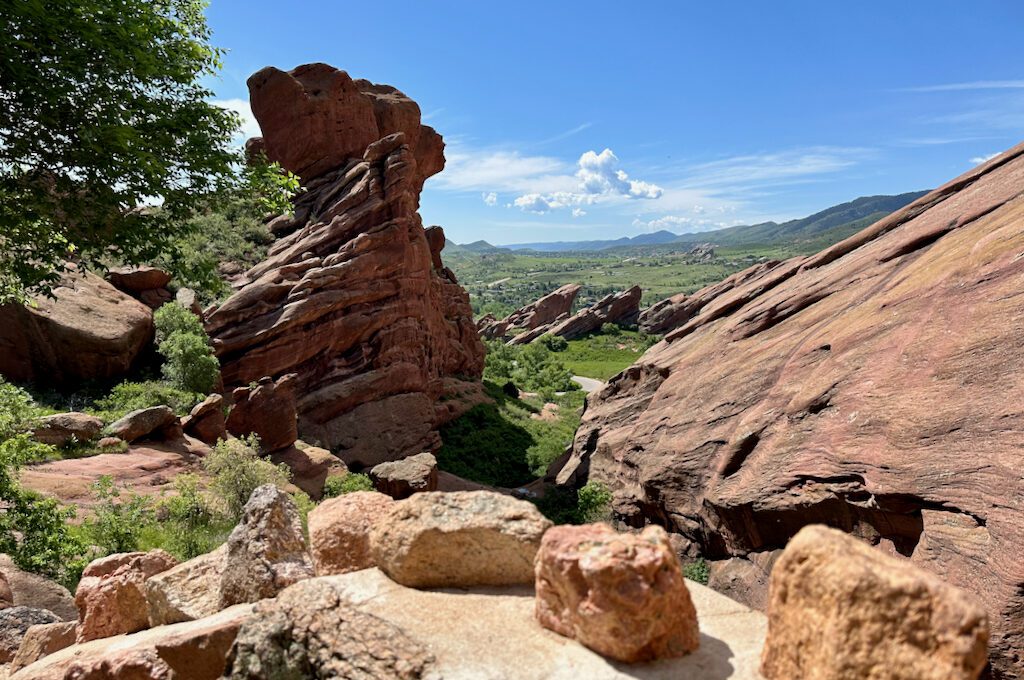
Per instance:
x=620, y=308
x=352, y=300
x=542, y=312
x=876, y=386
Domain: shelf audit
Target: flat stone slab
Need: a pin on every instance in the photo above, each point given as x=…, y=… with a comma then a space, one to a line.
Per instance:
x=491, y=633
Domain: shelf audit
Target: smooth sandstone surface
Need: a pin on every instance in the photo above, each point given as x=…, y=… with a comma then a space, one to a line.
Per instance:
x=339, y=531
x=876, y=387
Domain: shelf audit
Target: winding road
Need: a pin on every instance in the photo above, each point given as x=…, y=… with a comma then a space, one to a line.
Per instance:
x=588, y=384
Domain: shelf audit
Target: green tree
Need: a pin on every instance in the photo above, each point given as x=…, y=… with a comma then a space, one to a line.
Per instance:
x=119, y=517
x=189, y=363
x=103, y=111
x=237, y=469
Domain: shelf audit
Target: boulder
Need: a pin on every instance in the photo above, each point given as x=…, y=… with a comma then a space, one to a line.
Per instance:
x=188, y=591
x=33, y=590
x=310, y=467
x=618, y=308
x=6, y=594
x=622, y=595
x=195, y=650
x=840, y=608
x=744, y=579
x=311, y=631
x=189, y=299
x=61, y=428
x=206, y=420
x=111, y=597
x=135, y=280
x=543, y=312
x=266, y=409
x=14, y=623
x=339, y=531
x=267, y=551
x=402, y=478
x=88, y=330
x=463, y=538
x=41, y=640
x=381, y=340
x=867, y=387
x=145, y=422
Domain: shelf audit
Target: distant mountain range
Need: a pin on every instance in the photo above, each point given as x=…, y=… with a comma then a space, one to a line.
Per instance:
x=832, y=224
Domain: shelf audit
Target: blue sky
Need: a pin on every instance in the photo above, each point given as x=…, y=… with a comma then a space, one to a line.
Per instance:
x=583, y=120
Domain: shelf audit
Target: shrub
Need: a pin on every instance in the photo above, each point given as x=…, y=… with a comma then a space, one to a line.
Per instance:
x=189, y=523
x=237, y=471
x=594, y=503
x=119, y=517
x=16, y=409
x=554, y=343
x=189, y=363
x=131, y=396
x=339, y=486
x=611, y=329
x=34, y=531
x=697, y=570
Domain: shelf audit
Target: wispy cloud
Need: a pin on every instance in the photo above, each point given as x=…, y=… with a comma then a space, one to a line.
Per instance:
x=742, y=173
x=489, y=197
x=500, y=170
x=974, y=85
x=564, y=135
x=978, y=160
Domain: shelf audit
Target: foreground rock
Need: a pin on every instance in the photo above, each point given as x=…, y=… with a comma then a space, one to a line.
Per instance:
x=266, y=409
x=402, y=478
x=111, y=597
x=15, y=622
x=840, y=608
x=206, y=421
x=618, y=308
x=267, y=551
x=147, y=422
x=89, y=330
x=62, y=429
x=464, y=538
x=31, y=590
x=310, y=631
x=622, y=595
x=832, y=389
x=339, y=531
x=195, y=650
x=42, y=640
x=310, y=467
x=187, y=592
x=545, y=311
x=350, y=299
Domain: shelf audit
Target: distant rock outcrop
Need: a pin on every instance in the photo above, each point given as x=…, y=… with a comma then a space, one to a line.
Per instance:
x=351, y=300
x=875, y=387
x=543, y=312
x=618, y=308
x=89, y=330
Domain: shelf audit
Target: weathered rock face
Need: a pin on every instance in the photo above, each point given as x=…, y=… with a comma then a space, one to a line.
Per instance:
x=187, y=592
x=267, y=551
x=402, y=478
x=32, y=590
x=543, y=312
x=310, y=467
x=61, y=428
x=310, y=631
x=339, y=531
x=351, y=300
x=841, y=609
x=267, y=410
x=206, y=420
x=620, y=308
x=15, y=622
x=874, y=387
x=43, y=639
x=145, y=422
x=622, y=595
x=462, y=538
x=148, y=285
x=90, y=330
x=111, y=596
x=6, y=594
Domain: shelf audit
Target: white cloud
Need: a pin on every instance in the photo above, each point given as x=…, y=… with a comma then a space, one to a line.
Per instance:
x=578, y=212
x=490, y=198
x=683, y=225
x=499, y=170
x=978, y=160
x=250, y=128
x=770, y=169
x=975, y=85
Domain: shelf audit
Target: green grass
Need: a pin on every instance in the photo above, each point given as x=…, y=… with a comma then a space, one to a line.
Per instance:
x=500, y=444
x=602, y=355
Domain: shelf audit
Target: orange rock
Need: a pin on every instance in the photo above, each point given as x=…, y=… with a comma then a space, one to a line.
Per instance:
x=622, y=595
x=111, y=598
x=266, y=409
x=339, y=531
x=543, y=312
x=841, y=609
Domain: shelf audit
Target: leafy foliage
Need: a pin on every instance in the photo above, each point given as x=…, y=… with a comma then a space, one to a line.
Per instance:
x=16, y=409
x=697, y=570
x=237, y=471
x=103, y=110
x=131, y=396
x=601, y=355
x=190, y=525
x=118, y=518
x=189, y=363
x=594, y=503
x=339, y=486
x=531, y=367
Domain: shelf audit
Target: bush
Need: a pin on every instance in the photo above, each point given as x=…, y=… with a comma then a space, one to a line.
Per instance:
x=697, y=570
x=190, y=525
x=554, y=343
x=34, y=531
x=131, y=396
x=16, y=409
x=119, y=518
x=237, y=471
x=531, y=367
x=611, y=329
x=339, y=486
x=189, y=363
x=594, y=503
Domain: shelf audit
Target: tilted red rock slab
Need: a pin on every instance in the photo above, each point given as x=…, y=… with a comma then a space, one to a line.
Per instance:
x=875, y=386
